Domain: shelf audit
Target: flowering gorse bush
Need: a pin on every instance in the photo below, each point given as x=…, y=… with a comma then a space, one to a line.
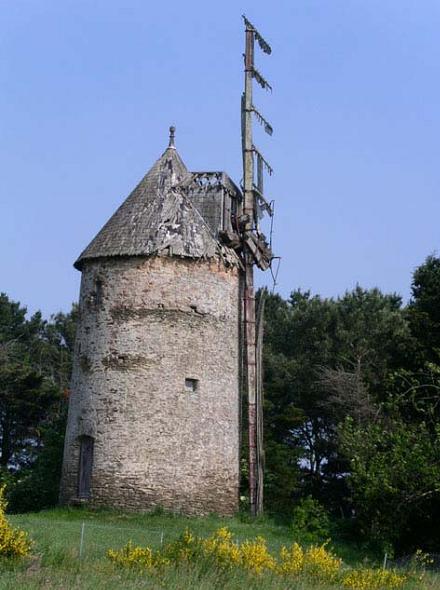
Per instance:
x=315, y=561
x=137, y=557
x=222, y=551
x=13, y=542
x=373, y=579
x=221, y=548
x=291, y=560
x=255, y=556
x=320, y=563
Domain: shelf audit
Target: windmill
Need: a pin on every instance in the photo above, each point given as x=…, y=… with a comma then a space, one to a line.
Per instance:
x=255, y=251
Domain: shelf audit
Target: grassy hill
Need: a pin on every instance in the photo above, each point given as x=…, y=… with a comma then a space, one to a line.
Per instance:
x=70, y=552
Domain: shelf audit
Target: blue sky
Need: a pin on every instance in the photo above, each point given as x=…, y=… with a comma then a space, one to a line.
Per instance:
x=89, y=89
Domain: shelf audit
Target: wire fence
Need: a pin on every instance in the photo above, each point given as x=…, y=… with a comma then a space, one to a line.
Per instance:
x=87, y=540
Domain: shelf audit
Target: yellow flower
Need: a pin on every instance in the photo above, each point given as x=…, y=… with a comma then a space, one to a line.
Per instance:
x=224, y=534
x=223, y=552
x=373, y=579
x=188, y=537
x=255, y=556
x=137, y=557
x=13, y=542
x=291, y=560
x=321, y=563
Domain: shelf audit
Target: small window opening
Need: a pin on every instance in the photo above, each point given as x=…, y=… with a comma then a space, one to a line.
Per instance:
x=85, y=467
x=191, y=385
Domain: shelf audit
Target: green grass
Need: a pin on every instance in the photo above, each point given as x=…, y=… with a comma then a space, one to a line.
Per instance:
x=56, y=561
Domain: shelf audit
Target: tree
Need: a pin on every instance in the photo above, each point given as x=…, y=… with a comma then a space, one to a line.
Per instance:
x=326, y=359
x=35, y=367
x=56, y=347
x=26, y=397
x=424, y=308
x=419, y=385
x=394, y=480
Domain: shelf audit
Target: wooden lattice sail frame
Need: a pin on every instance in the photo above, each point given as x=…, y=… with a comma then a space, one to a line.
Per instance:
x=255, y=251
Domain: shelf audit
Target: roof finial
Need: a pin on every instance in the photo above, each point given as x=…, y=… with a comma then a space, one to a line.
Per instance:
x=172, y=132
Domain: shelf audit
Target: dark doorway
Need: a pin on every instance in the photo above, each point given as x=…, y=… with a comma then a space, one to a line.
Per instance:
x=85, y=466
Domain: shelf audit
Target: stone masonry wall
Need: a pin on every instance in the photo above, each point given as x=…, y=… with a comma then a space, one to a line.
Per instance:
x=146, y=325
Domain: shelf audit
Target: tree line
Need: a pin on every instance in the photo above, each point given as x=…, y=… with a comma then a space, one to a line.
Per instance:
x=35, y=367
x=352, y=409
x=352, y=392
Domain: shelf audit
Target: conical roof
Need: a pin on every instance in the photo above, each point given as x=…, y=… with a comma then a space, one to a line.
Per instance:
x=156, y=218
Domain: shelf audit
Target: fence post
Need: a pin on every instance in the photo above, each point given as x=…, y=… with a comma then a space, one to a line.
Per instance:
x=385, y=559
x=81, y=542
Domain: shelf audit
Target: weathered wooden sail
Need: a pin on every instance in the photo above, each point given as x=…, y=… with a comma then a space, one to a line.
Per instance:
x=255, y=251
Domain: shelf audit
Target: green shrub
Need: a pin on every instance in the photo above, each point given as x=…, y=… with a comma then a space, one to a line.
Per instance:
x=310, y=521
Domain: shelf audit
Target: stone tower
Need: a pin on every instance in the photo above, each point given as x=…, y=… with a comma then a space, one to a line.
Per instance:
x=155, y=395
